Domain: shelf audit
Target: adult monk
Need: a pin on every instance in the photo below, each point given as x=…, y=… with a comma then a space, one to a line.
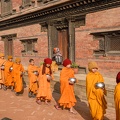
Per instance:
x=45, y=75
x=2, y=67
x=67, y=99
x=18, y=71
x=117, y=97
x=33, y=78
x=9, y=74
x=96, y=98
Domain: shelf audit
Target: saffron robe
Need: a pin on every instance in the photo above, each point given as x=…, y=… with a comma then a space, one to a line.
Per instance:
x=2, y=76
x=117, y=100
x=17, y=75
x=33, y=85
x=44, y=90
x=54, y=66
x=67, y=99
x=8, y=74
x=96, y=98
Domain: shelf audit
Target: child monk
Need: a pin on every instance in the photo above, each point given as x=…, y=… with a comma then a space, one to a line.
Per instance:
x=45, y=76
x=96, y=99
x=2, y=68
x=67, y=99
x=117, y=97
x=9, y=74
x=33, y=78
x=18, y=71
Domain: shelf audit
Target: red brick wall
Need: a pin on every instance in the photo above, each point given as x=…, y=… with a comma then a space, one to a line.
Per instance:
x=106, y=20
x=27, y=32
x=85, y=44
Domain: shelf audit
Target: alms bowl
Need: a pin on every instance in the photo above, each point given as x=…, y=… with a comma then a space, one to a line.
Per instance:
x=72, y=80
x=10, y=69
x=100, y=85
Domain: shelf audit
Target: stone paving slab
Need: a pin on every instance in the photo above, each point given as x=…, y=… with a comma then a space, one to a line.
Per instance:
x=24, y=108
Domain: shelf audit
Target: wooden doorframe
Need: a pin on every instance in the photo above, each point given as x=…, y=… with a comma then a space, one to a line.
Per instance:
x=53, y=39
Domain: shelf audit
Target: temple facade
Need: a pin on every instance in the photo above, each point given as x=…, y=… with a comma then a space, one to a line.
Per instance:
x=84, y=30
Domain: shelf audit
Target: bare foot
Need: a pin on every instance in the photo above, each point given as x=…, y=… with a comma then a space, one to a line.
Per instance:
x=57, y=107
x=38, y=102
x=73, y=112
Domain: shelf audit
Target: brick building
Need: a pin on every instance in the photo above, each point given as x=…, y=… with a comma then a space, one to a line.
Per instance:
x=84, y=30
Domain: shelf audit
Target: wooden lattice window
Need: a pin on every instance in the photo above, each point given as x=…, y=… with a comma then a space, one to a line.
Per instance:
x=114, y=43
x=6, y=7
x=109, y=43
x=26, y=3
x=29, y=46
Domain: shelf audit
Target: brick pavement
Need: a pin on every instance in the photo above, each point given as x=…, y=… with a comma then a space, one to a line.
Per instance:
x=24, y=108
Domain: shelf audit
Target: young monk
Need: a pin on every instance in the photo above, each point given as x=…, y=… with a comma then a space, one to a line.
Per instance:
x=45, y=76
x=18, y=72
x=33, y=78
x=96, y=99
x=2, y=67
x=67, y=99
x=117, y=97
x=9, y=74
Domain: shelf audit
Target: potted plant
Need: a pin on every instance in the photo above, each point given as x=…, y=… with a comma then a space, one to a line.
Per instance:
x=75, y=66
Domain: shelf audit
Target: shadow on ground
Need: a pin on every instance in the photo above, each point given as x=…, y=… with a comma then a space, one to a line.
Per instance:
x=81, y=107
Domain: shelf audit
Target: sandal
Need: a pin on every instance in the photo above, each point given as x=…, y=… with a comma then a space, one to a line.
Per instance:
x=57, y=107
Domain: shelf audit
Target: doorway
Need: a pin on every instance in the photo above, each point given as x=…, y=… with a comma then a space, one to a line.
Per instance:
x=63, y=43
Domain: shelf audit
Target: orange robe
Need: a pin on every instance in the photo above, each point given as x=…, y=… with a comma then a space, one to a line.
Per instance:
x=8, y=74
x=96, y=99
x=2, y=77
x=17, y=70
x=67, y=99
x=117, y=101
x=44, y=90
x=33, y=85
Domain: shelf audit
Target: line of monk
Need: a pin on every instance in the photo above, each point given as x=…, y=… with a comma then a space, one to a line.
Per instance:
x=11, y=74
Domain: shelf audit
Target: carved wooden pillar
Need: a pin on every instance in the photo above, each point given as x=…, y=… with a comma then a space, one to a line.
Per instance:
x=52, y=38
x=71, y=40
x=49, y=41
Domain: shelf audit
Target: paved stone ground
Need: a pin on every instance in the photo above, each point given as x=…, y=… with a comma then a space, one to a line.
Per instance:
x=24, y=108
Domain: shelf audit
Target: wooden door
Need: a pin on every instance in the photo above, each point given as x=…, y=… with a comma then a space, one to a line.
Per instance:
x=8, y=45
x=63, y=43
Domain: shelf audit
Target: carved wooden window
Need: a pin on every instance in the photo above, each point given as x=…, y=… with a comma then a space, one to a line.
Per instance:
x=6, y=7
x=26, y=3
x=8, y=43
x=109, y=43
x=29, y=46
x=101, y=47
x=47, y=1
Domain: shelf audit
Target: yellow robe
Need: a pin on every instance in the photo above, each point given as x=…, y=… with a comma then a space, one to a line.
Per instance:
x=33, y=85
x=67, y=99
x=117, y=101
x=2, y=77
x=96, y=99
x=8, y=74
x=17, y=70
x=54, y=66
x=44, y=90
